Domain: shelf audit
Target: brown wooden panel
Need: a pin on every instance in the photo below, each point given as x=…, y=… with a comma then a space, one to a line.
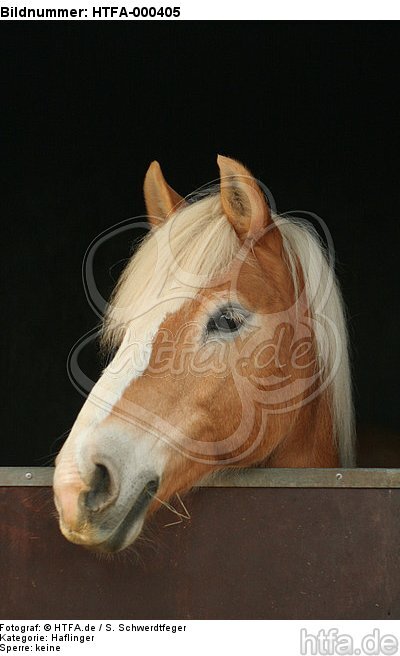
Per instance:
x=246, y=553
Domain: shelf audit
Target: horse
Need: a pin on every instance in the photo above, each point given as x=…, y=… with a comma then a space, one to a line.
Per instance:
x=230, y=350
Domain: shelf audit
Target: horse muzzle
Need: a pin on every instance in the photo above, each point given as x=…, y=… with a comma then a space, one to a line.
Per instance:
x=102, y=499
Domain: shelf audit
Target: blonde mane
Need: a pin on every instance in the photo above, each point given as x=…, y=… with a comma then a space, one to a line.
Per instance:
x=325, y=302
x=173, y=261
x=198, y=242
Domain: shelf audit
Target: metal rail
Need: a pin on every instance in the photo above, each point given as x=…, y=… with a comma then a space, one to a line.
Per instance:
x=301, y=478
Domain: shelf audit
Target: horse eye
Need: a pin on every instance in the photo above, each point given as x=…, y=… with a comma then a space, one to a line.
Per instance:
x=227, y=320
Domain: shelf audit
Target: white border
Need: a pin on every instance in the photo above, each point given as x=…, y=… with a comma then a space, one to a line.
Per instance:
x=215, y=10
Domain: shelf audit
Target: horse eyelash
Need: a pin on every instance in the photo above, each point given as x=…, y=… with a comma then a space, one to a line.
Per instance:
x=238, y=314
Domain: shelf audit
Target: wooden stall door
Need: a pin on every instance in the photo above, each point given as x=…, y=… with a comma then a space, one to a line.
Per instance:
x=247, y=553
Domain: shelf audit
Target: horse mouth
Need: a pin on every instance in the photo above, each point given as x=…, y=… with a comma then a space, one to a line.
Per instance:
x=123, y=535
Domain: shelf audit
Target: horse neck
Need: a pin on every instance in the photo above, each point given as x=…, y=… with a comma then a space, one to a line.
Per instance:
x=311, y=442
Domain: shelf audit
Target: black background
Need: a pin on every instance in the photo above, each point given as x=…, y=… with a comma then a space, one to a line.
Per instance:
x=311, y=108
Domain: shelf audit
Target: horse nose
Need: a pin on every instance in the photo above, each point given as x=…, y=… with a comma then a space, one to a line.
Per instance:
x=76, y=498
x=102, y=489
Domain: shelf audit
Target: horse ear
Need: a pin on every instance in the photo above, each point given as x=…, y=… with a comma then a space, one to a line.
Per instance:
x=242, y=200
x=161, y=200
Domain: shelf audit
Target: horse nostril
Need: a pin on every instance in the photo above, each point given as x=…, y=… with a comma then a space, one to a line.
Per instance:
x=101, y=490
x=152, y=486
